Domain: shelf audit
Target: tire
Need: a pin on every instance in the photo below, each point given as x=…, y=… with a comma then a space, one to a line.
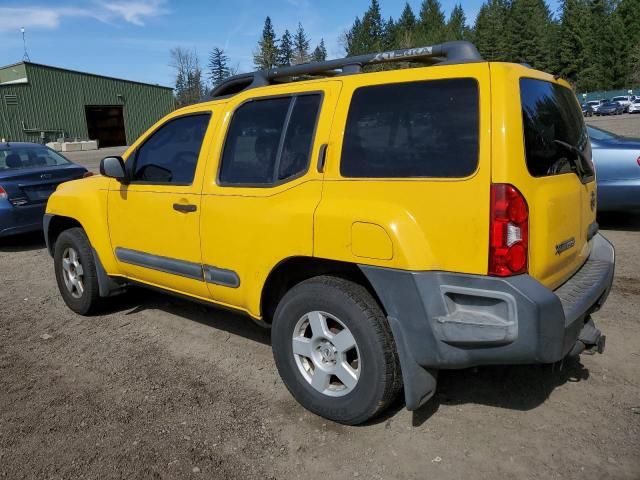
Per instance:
x=72, y=248
x=370, y=369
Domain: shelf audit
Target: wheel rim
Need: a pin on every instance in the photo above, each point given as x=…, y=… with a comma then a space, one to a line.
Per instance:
x=326, y=354
x=72, y=272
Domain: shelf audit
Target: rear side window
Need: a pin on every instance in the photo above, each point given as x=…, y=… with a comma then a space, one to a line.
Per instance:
x=551, y=117
x=269, y=141
x=416, y=129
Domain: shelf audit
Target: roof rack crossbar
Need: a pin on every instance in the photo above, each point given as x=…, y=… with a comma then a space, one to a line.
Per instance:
x=448, y=52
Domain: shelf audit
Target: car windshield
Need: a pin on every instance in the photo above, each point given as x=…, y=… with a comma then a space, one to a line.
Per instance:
x=637, y=100
x=593, y=103
x=28, y=156
x=618, y=99
x=599, y=134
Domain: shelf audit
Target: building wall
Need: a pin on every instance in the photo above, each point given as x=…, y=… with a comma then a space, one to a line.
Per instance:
x=54, y=101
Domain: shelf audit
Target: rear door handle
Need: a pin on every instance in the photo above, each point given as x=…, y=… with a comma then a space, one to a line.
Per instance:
x=184, y=207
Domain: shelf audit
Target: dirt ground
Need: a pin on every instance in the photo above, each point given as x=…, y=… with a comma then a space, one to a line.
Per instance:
x=157, y=387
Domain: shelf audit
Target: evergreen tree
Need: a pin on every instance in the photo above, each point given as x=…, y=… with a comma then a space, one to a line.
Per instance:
x=431, y=24
x=266, y=56
x=573, y=40
x=353, y=42
x=528, y=34
x=388, y=41
x=285, y=52
x=320, y=52
x=373, y=28
x=405, y=28
x=457, y=25
x=300, y=46
x=218, y=66
x=489, y=30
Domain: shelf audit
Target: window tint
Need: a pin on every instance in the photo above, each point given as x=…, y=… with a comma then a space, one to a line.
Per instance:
x=269, y=140
x=417, y=129
x=30, y=157
x=170, y=155
x=551, y=117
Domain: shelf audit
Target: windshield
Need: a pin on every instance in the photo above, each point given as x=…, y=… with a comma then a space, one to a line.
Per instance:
x=599, y=134
x=619, y=99
x=552, y=120
x=593, y=103
x=29, y=156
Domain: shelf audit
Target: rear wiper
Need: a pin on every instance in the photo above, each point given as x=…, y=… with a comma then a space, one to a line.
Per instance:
x=583, y=165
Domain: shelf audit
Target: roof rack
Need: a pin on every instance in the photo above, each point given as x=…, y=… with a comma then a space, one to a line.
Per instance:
x=444, y=53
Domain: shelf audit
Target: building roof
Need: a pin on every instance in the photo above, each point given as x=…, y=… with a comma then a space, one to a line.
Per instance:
x=85, y=73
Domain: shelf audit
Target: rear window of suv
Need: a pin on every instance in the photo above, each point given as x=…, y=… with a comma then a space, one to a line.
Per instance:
x=415, y=129
x=550, y=114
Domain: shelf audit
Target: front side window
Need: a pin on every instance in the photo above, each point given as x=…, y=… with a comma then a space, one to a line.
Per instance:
x=555, y=136
x=269, y=141
x=14, y=158
x=170, y=154
x=416, y=129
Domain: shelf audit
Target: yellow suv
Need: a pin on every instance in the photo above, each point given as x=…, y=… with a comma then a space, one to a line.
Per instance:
x=385, y=225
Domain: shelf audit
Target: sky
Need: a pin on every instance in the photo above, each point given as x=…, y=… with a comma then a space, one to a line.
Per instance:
x=131, y=39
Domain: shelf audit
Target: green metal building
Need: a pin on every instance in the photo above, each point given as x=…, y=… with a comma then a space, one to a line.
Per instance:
x=40, y=103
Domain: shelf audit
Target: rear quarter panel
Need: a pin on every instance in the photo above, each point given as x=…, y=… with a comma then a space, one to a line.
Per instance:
x=413, y=224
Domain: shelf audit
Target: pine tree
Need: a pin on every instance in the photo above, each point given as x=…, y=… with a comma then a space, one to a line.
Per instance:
x=431, y=24
x=405, y=28
x=285, y=52
x=388, y=41
x=218, y=66
x=528, y=34
x=457, y=24
x=320, y=52
x=573, y=40
x=489, y=30
x=300, y=46
x=266, y=56
x=373, y=28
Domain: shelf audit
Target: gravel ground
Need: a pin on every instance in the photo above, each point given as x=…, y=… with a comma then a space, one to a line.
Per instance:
x=157, y=387
x=627, y=124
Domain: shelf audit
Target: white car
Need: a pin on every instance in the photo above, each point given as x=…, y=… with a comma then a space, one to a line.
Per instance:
x=594, y=104
x=635, y=106
x=624, y=100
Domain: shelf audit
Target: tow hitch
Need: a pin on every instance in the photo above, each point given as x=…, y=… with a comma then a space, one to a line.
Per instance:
x=590, y=341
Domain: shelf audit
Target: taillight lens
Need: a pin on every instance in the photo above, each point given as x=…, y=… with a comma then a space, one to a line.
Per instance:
x=638, y=160
x=509, y=231
x=3, y=193
x=87, y=174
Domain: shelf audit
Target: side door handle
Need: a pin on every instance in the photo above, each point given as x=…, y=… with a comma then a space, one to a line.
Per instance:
x=184, y=207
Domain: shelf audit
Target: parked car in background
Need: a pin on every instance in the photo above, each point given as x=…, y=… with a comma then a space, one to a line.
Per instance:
x=29, y=173
x=624, y=100
x=595, y=104
x=617, y=162
x=611, y=108
x=635, y=106
x=587, y=110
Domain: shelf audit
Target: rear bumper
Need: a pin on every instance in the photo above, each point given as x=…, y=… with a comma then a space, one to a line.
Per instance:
x=15, y=220
x=445, y=320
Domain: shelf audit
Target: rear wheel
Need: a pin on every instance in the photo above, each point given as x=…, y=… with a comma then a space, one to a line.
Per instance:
x=76, y=271
x=334, y=350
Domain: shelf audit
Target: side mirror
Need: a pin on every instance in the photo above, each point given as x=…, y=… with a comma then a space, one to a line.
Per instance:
x=113, y=167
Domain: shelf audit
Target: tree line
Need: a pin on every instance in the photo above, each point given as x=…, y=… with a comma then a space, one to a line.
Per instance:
x=595, y=44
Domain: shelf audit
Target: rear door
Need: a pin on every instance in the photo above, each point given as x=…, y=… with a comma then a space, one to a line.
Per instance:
x=541, y=146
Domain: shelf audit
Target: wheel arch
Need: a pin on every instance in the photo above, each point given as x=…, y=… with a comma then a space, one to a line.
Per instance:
x=293, y=270
x=54, y=225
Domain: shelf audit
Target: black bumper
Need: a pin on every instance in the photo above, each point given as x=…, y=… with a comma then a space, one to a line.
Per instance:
x=445, y=320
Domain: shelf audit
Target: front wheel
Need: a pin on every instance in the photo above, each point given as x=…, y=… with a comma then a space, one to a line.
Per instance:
x=334, y=350
x=76, y=271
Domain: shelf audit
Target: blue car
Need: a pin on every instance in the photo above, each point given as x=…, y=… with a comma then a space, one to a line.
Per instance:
x=29, y=173
x=617, y=162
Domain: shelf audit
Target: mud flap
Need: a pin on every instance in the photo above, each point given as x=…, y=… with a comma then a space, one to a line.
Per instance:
x=419, y=383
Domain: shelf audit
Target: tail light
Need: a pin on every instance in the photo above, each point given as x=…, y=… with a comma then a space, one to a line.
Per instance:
x=509, y=231
x=638, y=160
x=87, y=174
x=3, y=193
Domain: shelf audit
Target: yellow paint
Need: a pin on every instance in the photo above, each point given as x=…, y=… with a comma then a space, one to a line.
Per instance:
x=412, y=224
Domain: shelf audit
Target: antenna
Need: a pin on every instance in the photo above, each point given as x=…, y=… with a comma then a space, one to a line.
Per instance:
x=25, y=57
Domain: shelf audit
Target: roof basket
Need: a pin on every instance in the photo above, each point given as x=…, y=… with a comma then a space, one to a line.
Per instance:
x=444, y=53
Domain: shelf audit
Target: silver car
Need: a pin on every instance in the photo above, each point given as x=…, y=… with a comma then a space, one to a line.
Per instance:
x=617, y=162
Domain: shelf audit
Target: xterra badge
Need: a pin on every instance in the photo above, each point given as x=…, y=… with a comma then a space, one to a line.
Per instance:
x=566, y=245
